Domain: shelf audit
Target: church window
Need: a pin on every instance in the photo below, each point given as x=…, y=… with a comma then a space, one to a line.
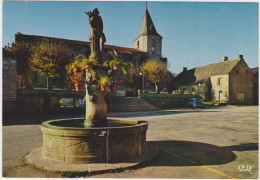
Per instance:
x=246, y=72
x=137, y=44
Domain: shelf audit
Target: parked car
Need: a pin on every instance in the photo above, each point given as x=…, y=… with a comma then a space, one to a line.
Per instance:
x=195, y=102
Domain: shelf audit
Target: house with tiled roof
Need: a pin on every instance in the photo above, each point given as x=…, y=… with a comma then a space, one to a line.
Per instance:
x=227, y=81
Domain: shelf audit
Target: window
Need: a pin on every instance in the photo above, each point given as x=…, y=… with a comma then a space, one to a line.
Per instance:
x=218, y=81
x=137, y=44
x=246, y=71
x=237, y=71
x=153, y=43
x=241, y=96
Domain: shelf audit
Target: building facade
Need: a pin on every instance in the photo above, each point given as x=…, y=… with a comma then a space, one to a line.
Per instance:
x=9, y=82
x=256, y=84
x=229, y=81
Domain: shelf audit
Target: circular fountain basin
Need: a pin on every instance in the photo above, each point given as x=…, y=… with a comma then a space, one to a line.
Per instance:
x=67, y=140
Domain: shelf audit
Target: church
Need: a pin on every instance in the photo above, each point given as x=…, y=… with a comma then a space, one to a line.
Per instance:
x=147, y=45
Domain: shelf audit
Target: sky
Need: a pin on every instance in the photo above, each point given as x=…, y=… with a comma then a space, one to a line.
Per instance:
x=194, y=33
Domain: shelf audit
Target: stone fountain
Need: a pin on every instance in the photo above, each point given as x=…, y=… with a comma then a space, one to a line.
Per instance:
x=76, y=144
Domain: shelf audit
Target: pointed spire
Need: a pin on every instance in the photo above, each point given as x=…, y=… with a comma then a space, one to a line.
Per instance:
x=147, y=26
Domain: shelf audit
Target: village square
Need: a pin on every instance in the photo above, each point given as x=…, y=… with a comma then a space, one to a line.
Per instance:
x=96, y=108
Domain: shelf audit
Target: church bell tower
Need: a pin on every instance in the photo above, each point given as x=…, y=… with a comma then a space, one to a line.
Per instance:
x=148, y=39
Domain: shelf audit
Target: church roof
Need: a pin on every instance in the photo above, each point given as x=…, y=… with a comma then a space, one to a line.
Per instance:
x=120, y=50
x=147, y=26
x=202, y=74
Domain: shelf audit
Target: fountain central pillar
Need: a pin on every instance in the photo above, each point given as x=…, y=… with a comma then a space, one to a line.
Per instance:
x=96, y=106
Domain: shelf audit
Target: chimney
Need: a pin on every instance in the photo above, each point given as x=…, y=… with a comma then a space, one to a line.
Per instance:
x=184, y=69
x=240, y=57
x=225, y=58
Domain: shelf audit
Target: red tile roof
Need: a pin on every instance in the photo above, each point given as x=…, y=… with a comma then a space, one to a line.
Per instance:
x=121, y=50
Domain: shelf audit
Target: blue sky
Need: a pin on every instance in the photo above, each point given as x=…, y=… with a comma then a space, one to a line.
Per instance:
x=194, y=33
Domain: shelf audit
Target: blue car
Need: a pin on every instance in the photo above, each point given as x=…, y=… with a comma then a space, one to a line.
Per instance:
x=195, y=102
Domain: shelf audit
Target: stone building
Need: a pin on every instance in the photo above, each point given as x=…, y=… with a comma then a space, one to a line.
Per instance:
x=79, y=47
x=148, y=44
x=228, y=81
x=9, y=82
x=255, y=84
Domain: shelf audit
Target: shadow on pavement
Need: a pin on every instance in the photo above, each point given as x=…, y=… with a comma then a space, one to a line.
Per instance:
x=156, y=113
x=38, y=118
x=243, y=147
x=188, y=153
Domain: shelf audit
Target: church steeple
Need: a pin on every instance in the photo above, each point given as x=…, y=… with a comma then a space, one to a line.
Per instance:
x=148, y=39
x=147, y=26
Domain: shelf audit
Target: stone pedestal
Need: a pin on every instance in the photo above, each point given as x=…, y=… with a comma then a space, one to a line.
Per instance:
x=96, y=106
x=96, y=99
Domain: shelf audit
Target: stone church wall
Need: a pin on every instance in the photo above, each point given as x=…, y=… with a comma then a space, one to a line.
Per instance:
x=142, y=43
x=154, y=41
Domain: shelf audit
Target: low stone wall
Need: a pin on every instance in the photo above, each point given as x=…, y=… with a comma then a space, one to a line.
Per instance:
x=164, y=100
x=44, y=101
x=30, y=101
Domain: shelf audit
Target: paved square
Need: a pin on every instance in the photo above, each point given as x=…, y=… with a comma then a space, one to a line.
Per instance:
x=217, y=142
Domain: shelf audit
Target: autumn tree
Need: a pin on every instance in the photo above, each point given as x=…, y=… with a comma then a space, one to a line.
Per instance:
x=156, y=71
x=50, y=57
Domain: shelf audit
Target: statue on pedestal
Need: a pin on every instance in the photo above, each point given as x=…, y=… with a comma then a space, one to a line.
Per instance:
x=97, y=37
x=96, y=97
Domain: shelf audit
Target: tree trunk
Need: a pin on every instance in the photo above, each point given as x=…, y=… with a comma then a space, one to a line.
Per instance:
x=49, y=83
x=156, y=88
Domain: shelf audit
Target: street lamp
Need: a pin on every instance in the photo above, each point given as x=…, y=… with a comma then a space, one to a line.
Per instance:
x=141, y=73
